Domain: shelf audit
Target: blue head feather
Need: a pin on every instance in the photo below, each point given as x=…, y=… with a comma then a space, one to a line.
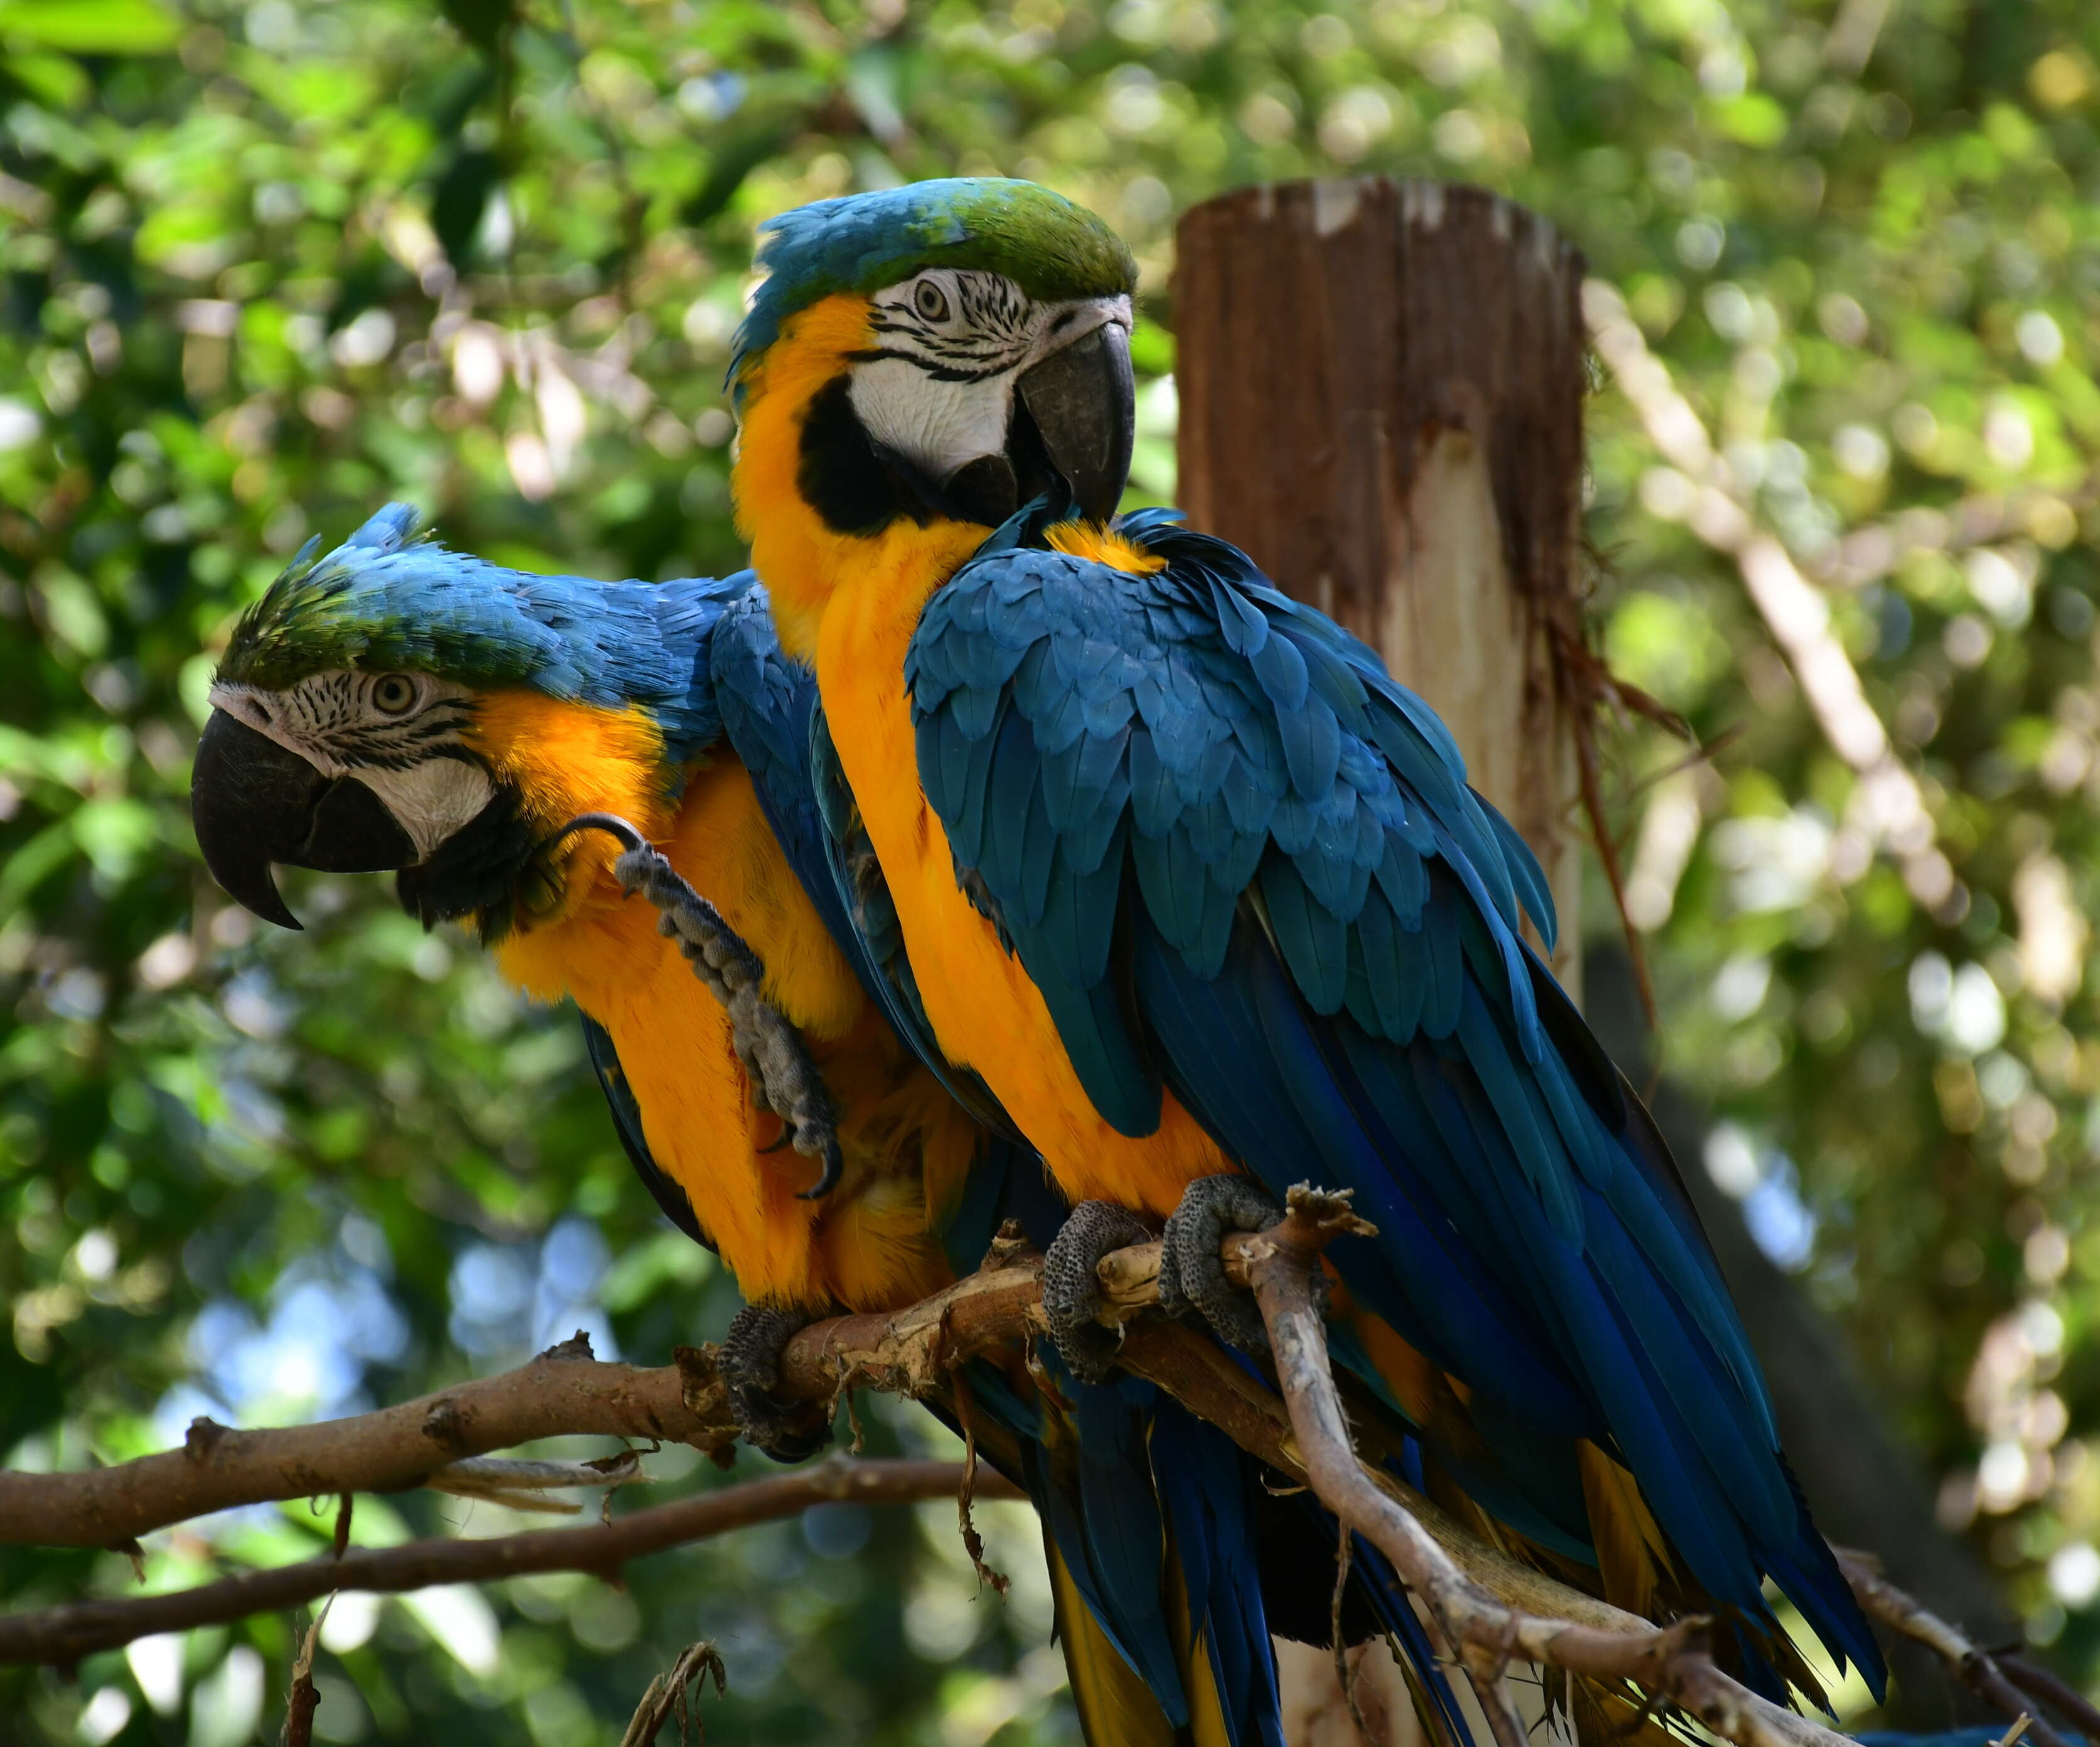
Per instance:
x=1050, y=246
x=389, y=600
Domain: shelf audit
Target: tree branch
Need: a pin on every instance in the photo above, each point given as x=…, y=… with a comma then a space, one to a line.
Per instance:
x=564, y=1390
x=2000, y=1686
x=1489, y=1608
x=63, y=1635
x=909, y=1350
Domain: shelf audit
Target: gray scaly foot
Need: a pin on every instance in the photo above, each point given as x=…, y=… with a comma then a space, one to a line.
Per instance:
x=784, y=1078
x=1072, y=1291
x=748, y=1363
x=1192, y=1276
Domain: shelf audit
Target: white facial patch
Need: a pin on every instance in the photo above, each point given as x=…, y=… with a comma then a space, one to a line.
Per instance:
x=400, y=734
x=937, y=426
x=950, y=347
x=432, y=800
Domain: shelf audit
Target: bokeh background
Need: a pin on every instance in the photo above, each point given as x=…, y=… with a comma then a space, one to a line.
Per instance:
x=268, y=266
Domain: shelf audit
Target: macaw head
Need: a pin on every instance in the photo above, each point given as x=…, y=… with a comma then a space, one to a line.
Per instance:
x=935, y=355
x=395, y=706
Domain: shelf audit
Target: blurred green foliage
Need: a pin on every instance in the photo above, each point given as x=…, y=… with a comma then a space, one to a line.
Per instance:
x=268, y=266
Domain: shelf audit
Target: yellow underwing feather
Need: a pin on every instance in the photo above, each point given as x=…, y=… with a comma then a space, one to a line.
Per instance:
x=1632, y=1555
x=1115, y=1710
x=1206, y=1717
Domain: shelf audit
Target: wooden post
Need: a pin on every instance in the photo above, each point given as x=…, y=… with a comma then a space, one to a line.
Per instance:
x=1381, y=400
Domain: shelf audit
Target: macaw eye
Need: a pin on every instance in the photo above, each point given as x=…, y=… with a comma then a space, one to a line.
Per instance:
x=930, y=300
x=394, y=693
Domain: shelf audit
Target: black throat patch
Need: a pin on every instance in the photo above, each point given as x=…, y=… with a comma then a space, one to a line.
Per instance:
x=860, y=487
x=485, y=869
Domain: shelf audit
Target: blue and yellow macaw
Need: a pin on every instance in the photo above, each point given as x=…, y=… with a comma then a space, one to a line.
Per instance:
x=1202, y=899
x=396, y=706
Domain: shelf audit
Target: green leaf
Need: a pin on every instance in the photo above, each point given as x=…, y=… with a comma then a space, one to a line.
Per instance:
x=92, y=27
x=1752, y=119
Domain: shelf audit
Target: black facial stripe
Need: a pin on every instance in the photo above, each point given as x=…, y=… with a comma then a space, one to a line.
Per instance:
x=1008, y=347
x=378, y=751
x=988, y=332
x=948, y=372
x=333, y=713
x=939, y=371
x=994, y=303
x=964, y=346
x=986, y=326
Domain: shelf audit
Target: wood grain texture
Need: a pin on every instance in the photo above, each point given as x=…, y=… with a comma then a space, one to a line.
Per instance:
x=1381, y=388
x=1381, y=391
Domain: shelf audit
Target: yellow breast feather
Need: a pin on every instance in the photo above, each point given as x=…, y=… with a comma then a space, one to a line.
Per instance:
x=1090, y=540
x=985, y=1010
x=868, y=1244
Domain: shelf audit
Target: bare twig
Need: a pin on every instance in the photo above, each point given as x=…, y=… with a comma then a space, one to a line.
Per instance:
x=305, y=1698
x=1978, y=1669
x=61, y=1636
x=438, y=1439
x=2039, y=1683
x=524, y=1485
x=1483, y=1631
x=966, y=1490
x=393, y=1449
x=1345, y=1676
x=676, y=1695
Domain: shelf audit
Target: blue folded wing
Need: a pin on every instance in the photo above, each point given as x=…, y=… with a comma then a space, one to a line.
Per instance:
x=1242, y=863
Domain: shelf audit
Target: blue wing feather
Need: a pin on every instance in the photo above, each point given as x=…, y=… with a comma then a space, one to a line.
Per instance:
x=1376, y=1011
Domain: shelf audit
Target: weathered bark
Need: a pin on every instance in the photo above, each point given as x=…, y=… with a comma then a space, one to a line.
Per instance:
x=1381, y=389
x=1381, y=400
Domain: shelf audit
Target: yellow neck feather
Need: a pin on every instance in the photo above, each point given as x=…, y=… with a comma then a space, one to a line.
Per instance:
x=803, y=560
x=561, y=759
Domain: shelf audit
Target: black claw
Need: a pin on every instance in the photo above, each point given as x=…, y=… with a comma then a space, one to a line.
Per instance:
x=630, y=839
x=784, y=1076
x=827, y=1179
x=748, y=1363
x=1192, y=1276
x=1072, y=1289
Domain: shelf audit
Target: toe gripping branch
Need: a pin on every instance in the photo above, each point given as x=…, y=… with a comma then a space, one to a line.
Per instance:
x=1072, y=1286
x=748, y=1363
x=1192, y=1272
x=784, y=1078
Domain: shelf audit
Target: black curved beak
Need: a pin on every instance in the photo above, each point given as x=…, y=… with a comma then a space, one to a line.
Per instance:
x=253, y=803
x=1084, y=405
